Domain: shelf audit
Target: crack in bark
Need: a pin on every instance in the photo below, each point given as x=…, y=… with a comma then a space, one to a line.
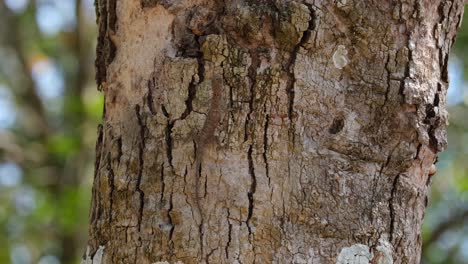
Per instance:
x=252, y=74
x=387, y=91
x=149, y=96
x=391, y=207
x=105, y=48
x=169, y=143
x=192, y=88
x=207, y=257
x=292, y=61
x=171, y=231
x=163, y=184
x=111, y=185
x=265, y=147
x=407, y=71
x=97, y=166
x=119, y=149
x=253, y=188
x=141, y=154
x=226, y=248
x=433, y=120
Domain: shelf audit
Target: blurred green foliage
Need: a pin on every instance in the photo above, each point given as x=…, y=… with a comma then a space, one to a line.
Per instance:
x=49, y=110
x=48, y=120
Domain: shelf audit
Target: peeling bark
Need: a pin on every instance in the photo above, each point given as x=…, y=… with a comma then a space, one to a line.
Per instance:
x=268, y=131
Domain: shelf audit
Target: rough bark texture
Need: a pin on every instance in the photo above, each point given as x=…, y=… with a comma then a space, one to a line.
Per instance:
x=263, y=131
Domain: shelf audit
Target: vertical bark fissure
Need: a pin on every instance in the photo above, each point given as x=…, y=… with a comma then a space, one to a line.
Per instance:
x=389, y=75
x=169, y=143
x=105, y=49
x=163, y=183
x=141, y=160
x=226, y=248
x=149, y=96
x=265, y=147
x=95, y=193
x=432, y=120
x=111, y=185
x=407, y=76
x=192, y=88
x=171, y=222
x=391, y=207
x=253, y=188
x=292, y=61
x=252, y=74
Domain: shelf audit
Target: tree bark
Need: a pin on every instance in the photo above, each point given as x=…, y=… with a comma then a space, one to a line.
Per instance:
x=268, y=131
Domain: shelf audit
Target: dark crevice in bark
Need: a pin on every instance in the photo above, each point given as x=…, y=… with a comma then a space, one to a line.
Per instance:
x=265, y=147
x=164, y=111
x=192, y=89
x=112, y=14
x=163, y=184
x=98, y=149
x=169, y=143
x=391, y=206
x=207, y=257
x=119, y=149
x=433, y=120
x=444, y=66
x=337, y=125
x=200, y=236
x=226, y=248
x=111, y=185
x=377, y=178
x=171, y=222
x=198, y=173
x=292, y=61
x=252, y=74
x=387, y=91
x=253, y=188
x=407, y=71
x=418, y=150
x=149, y=96
x=141, y=153
x=105, y=49
x=94, y=216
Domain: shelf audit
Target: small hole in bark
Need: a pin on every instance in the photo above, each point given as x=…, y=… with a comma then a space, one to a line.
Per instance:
x=337, y=125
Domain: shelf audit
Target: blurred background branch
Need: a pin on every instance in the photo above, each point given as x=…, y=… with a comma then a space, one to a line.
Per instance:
x=47, y=131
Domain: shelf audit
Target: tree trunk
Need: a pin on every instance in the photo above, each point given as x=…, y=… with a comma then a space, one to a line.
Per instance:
x=268, y=131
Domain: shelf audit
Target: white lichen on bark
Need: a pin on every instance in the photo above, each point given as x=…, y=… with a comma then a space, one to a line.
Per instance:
x=94, y=259
x=340, y=58
x=355, y=254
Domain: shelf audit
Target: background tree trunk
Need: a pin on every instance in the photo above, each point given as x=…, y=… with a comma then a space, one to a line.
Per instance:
x=268, y=131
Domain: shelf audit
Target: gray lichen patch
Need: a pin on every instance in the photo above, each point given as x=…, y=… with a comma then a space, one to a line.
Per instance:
x=340, y=58
x=342, y=3
x=384, y=252
x=356, y=254
x=94, y=259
